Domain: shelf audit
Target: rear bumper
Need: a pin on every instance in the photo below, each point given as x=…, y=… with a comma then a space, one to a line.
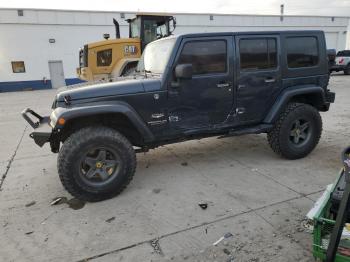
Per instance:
x=330, y=97
x=337, y=68
x=42, y=129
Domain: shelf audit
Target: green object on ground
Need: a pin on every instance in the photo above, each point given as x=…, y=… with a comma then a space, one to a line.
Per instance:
x=323, y=226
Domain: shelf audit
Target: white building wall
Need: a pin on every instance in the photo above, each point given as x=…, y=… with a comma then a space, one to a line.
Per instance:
x=26, y=38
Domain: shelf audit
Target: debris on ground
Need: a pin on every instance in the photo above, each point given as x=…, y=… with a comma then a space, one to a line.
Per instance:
x=226, y=236
x=184, y=164
x=307, y=225
x=156, y=190
x=5, y=224
x=55, y=201
x=72, y=203
x=203, y=205
x=32, y=203
x=226, y=251
x=156, y=247
x=109, y=220
x=29, y=232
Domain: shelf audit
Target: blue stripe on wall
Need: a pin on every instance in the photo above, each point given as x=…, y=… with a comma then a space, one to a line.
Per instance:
x=33, y=85
x=73, y=81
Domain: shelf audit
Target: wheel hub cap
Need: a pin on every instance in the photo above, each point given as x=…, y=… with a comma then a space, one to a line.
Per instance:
x=99, y=165
x=300, y=132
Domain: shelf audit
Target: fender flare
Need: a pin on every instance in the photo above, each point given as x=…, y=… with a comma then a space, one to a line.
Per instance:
x=102, y=108
x=287, y=95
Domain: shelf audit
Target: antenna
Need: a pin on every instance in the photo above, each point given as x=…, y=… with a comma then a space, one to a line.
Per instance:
x=282, y=12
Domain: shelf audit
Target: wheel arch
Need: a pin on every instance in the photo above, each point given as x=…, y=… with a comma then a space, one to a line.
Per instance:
x=312, y=95
x=119, y=116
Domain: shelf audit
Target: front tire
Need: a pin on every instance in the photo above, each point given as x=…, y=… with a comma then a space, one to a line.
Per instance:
x=296, y=132
x=96, y=163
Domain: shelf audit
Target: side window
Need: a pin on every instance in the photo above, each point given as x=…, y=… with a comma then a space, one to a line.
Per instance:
x=104, y=58
x=302, y=51
x=258, y=53
x=206, y=57
x=18, y=67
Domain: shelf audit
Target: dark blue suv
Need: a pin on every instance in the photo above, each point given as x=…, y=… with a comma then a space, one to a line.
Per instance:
x=189, y=87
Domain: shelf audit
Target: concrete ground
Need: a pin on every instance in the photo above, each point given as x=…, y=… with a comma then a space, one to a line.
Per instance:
x=251, y=193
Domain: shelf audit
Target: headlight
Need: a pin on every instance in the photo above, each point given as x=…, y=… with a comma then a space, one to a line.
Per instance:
x=53, y=119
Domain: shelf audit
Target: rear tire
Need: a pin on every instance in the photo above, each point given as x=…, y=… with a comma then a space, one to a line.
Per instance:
x=296, y=132
x=96, y=163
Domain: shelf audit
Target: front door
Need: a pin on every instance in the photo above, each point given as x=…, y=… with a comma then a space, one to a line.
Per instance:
x=206, y=99
x=56, y=74
x=259, y=77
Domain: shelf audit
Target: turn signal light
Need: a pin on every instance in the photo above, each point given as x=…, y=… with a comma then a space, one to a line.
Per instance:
x=61, y=121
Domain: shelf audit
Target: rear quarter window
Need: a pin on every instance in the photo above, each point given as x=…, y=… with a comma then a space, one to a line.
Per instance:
x=302, y=51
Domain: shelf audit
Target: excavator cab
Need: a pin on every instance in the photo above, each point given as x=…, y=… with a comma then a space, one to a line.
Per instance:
x=111, y=58
x=150, y=27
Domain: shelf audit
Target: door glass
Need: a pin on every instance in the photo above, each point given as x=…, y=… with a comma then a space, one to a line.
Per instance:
x=205, y=56
x=272, y=50
x=258, y=53
x=150, y=31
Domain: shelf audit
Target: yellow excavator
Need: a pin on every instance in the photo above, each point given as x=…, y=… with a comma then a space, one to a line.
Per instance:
x=106, y=60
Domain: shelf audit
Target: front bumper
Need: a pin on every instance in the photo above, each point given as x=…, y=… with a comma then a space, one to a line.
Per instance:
x=42, y=129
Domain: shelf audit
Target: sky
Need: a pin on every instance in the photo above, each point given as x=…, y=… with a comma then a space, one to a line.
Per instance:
x=292, y=7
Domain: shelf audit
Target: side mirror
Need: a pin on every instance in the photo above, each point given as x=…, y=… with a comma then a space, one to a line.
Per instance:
x=184, y=71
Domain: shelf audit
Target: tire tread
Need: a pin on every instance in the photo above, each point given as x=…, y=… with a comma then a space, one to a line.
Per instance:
x=72, y=144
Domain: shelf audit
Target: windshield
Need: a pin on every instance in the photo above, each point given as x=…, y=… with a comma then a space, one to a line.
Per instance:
x=156, y=55
x=344, y=53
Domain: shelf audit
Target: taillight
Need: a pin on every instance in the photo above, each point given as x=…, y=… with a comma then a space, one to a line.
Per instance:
x=341, y=60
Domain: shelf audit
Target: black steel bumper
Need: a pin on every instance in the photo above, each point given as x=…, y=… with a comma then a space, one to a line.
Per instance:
x=330, y=97
x=337, y=68
x=42, y=129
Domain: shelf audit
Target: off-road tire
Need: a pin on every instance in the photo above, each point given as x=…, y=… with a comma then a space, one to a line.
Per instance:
x=347, y=70
x=279, y=136
x=71, y=152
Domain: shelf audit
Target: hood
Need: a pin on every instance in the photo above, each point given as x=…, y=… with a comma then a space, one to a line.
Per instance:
x=110, y=89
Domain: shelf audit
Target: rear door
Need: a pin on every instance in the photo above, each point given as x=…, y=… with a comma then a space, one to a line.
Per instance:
x=258, y=76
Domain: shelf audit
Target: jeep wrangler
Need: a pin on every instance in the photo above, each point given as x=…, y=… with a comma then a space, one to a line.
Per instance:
x=189, y=87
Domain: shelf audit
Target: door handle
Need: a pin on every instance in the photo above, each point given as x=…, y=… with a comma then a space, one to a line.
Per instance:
x=221, y=85
x=270, y=80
